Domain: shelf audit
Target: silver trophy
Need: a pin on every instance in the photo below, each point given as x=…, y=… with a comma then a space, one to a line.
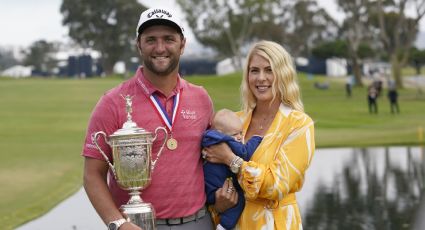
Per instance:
x=132, y=168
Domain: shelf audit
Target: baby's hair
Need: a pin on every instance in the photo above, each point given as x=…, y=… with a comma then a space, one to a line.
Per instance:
x=223, y=118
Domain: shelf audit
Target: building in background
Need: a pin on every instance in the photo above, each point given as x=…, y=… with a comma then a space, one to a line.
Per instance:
x=17, y=71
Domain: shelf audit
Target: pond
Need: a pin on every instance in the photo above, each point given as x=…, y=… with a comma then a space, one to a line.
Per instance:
x=373, y=188
x=345, y=188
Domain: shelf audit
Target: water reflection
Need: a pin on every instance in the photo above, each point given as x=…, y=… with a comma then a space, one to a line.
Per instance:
x=374, y=188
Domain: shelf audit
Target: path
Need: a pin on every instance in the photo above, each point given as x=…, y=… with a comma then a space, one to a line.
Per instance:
x=75, y=213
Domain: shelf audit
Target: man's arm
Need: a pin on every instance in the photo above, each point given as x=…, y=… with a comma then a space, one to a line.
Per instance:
x=95, y=184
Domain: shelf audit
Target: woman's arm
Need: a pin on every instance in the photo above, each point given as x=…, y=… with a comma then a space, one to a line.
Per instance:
x=219, y=153
x=285, y=173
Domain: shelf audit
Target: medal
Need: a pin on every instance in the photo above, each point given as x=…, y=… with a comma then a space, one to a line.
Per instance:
x=172, y=143
x=168, y=121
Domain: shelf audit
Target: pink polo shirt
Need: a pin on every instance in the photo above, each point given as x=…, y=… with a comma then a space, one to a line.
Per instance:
x=177, y=186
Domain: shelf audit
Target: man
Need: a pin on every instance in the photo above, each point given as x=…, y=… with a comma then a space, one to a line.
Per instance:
x=177, y=187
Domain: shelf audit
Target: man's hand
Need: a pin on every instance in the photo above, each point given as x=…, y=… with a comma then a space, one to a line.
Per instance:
x=129, y=226
x=225, y=197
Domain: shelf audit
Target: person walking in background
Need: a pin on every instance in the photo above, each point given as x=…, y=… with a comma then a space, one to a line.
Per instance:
x=348, y=86
x=226, y=127
x=271, y=108
x=372, y=96
x=160, y=97
x=377, y=84
x=393, y=98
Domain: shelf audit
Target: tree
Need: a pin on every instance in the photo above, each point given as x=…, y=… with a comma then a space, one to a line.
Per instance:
x=308, y=25
x=229, y=26
x=7, y=58
x=337, y=48
x=397, y=31
x=417, y=59
x=108, y=26
x=226, y=26
x=355, y=31
x=39, y=55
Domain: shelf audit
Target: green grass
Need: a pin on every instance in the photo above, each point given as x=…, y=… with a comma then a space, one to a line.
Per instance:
x=342, y=121
x=43, y=122
x=42, y=126
x=410, y=71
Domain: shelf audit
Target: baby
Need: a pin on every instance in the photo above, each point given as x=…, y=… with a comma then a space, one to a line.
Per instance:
x=226, y=127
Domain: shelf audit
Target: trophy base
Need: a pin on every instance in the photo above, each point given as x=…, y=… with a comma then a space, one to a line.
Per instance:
x=142, y=215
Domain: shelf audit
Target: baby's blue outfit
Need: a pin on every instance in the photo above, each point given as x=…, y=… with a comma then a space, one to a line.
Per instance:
x=216, y=174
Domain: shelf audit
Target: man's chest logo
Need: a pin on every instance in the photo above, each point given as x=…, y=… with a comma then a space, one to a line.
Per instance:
x=188, y=114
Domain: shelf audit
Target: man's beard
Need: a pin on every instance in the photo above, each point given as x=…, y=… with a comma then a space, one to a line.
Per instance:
x=148, y=64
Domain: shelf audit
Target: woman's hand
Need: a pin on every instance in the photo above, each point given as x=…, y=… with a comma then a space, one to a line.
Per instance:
x=225, y=197
x=219, y=153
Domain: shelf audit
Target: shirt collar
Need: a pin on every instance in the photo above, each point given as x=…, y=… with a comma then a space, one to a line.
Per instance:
x=148, y=89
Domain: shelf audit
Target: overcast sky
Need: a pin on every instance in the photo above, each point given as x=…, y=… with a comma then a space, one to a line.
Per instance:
x=24, y=21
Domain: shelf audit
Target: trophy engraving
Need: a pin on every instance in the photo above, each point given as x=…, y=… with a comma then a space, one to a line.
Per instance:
x=133, y=165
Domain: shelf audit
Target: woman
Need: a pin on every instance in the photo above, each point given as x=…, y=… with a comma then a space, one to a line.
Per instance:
x=272, y=108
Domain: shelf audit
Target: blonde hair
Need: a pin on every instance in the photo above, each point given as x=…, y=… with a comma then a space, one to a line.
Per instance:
x=285, y=77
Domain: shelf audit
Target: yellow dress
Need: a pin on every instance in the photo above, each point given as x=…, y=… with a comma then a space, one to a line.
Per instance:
x=276, y=171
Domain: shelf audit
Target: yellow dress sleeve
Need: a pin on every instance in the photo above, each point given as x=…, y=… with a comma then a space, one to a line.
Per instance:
x=278, y=165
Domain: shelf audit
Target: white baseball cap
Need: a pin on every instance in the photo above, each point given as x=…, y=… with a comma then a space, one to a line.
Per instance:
x=157, y=16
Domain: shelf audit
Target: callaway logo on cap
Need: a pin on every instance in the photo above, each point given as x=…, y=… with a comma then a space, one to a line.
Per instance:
x=152, y=17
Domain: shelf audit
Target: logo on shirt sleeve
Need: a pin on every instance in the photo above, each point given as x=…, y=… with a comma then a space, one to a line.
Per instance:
x=91, y=145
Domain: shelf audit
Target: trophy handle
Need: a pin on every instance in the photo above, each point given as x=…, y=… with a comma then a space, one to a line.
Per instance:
x=101, y=151
x=162, y=146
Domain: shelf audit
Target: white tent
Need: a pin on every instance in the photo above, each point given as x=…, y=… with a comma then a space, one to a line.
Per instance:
x=336, y=67
x=227, y=66
x=17, y=71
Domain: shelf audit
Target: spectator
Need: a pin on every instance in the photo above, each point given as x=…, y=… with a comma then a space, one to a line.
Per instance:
x=393, y=97
x=372, y=95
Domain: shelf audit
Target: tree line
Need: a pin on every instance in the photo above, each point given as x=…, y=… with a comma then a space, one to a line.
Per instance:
x=375, y=29
x=378, y=29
